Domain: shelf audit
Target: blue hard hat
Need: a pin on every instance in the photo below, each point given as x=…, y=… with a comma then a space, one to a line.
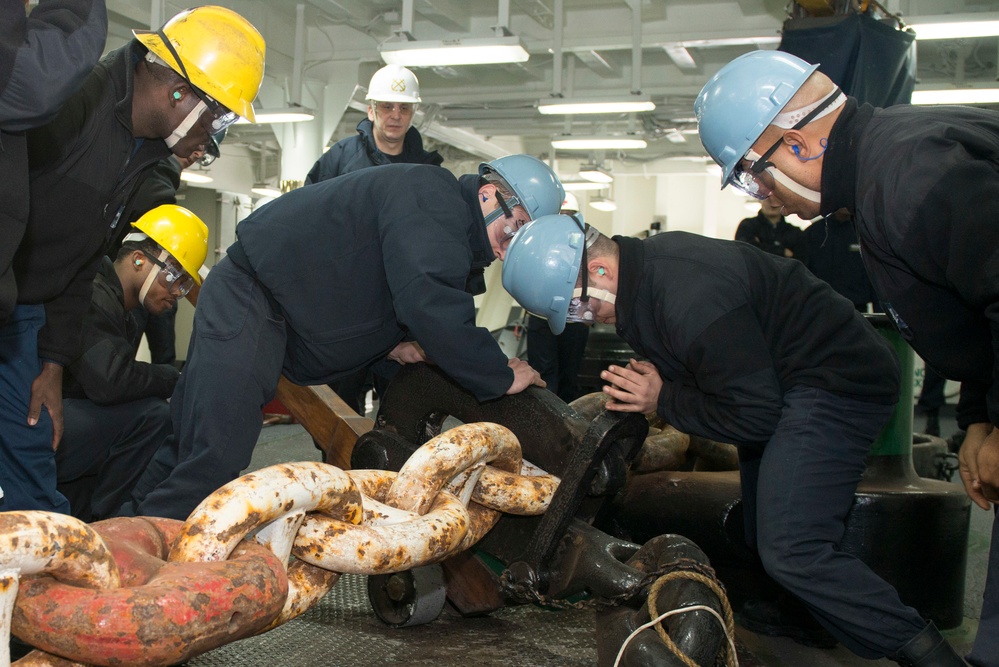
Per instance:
x=542, y=266
x=735, y=107
x=537, y=187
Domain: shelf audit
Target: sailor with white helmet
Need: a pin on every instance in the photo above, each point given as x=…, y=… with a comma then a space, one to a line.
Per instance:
x=386, y=136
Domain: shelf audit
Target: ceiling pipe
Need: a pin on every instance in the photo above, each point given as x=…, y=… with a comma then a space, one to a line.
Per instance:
x=502, y=27
x=636, y=46
x=299, y=58
x=557, y=34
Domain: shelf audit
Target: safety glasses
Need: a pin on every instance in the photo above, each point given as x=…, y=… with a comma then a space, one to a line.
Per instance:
x=175, y=279
x=514, y=225
x=752, y=175
x=404, y=108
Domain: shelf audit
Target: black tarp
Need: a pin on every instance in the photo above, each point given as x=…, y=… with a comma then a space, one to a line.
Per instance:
x=870, y=60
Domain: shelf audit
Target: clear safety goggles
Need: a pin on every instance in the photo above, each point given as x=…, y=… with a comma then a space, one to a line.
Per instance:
x=219, y=118
x=171, y=276
x=582, y=307
x=512, y=225
x=404, y=108
x=753, y=175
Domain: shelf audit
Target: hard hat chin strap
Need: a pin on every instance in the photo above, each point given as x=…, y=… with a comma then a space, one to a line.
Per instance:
x=153, y=273
x=794, y=186
x=185, y=126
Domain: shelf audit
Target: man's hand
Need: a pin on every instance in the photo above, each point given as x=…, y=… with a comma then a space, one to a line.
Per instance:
x=523, y=376
x=633, y=389
x=979, y=464
x=47, y=390
x=407, y=353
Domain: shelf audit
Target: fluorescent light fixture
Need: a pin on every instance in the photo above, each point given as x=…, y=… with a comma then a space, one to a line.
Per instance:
x=576, y=186
x=596, y=174
x=195, y=177
x=265, y=190
x=450, y=52
x=957, y=96
x=955, y=29
x=598, y=143
x=293, y=113
x=603, y=204
x=623, y=104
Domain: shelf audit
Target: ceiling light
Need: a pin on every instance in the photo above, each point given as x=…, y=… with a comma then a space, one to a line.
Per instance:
x=955, y=29
x=575, y=186
x=603, y=204
x=624, y=104
x=449, y=52
x=598, y=143
x=265, y=190
x=956, y=96
x=293, y=113
x=195, y=177
x=596, y=174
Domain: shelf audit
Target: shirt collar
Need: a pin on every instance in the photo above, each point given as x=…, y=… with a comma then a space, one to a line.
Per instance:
x=839, y=166
x=630, y=268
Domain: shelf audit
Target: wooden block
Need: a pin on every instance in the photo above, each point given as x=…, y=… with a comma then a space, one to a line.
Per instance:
x=330, y=422
x=472, y=587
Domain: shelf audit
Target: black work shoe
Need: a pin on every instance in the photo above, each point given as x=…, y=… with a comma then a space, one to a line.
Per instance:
x=928, y=649
x=777, y=619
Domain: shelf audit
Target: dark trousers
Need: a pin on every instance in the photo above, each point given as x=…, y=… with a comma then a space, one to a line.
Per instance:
x=797, y=490
x=104, y=450
x=985, y=652
x=557, y=358
x=27, y=462
x=353, y=388
x=233, y=365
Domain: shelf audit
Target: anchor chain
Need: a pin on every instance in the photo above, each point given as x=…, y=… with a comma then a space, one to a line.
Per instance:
x=300, y=524
x=527, y=591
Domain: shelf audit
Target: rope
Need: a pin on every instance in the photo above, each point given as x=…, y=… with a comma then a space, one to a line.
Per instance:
x=728, y=623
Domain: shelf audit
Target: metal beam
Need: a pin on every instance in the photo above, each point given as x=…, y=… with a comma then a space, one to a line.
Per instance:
x=448, y=14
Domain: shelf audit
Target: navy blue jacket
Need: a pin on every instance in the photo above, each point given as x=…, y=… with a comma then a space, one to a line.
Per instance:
x=922, y=184
x=771, y=238
x=84, y=167
x=360, y=152
x=731, y=328
x=357, y=263
x=44, y=58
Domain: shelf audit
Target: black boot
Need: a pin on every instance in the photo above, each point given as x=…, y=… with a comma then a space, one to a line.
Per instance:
x=932, y=422
x=928, y=649
x=784, y=617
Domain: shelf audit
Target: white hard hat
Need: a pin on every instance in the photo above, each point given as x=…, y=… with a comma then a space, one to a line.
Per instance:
x=394, y=83
x=570, y=203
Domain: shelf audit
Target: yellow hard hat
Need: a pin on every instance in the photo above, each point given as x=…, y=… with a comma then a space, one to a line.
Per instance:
x=180, y=233
x=221, y=53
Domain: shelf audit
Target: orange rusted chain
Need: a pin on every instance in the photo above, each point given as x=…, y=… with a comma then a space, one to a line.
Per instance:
x=165, y=614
